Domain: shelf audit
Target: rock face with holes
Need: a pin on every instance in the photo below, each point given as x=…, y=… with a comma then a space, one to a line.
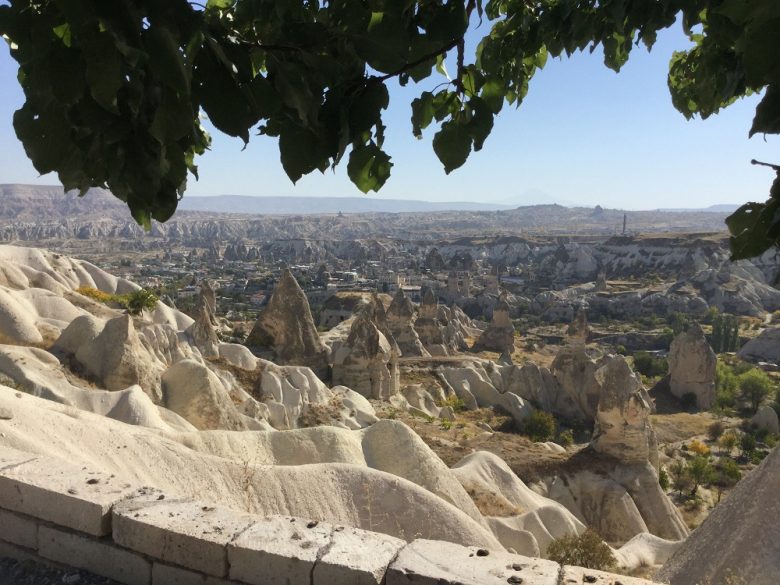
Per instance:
x=692, y=367
x=500, y=334
x=362, y=363
x=285, y=328
x=400, y=319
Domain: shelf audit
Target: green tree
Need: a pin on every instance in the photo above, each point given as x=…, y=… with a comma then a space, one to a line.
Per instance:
x=114, y=90
x=726, y=474
x=725, y=333
x=681, y=478
x=586, y=550
x=700, y=471
x=754, y=386
x=728, y=441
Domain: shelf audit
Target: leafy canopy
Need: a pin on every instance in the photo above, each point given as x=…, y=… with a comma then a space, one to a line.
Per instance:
x=115, y=90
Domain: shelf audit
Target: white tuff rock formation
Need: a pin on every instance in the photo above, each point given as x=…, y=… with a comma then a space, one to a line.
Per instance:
x=400, y=319
x=285, y=327
x=500, y=334
x=692, y=367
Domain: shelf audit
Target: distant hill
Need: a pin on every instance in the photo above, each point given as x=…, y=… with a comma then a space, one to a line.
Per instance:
x=316, y=205
x=720, y=208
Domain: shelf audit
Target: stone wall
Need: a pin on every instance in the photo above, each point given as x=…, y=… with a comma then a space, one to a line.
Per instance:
x=65, y=515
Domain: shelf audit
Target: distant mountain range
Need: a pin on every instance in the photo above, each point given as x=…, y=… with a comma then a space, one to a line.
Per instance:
x=284, y=205
x=43, y=202
x=720, y=208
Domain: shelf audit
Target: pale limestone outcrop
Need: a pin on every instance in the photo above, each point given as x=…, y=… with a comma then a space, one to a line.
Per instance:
x=202, y=330
x=39, y=373
x=481, y=386
x=692, y=367
x=293, y=392
x=617, y=500
x=207, y=298
x=116, y=358
x=400, y=319
x=285, y=327
x=334, y=475
x=764, y=348
x=580, y=391
x=623, y=429
x=17, y=323
x=766, y=419
x=427, y=324
x=195, y=393
x=739, y=542
x=362, y=363
x=203, y=334
x=500, y=334
x=455, y=328
x=578, y=330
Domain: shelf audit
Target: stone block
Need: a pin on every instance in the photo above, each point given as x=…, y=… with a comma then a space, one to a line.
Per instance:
x=12, y=551
x=430, y=562
x=170, y=575
x=355, y=557
x=96, y=556
x=580, y=576
x=61, y=493
x=181, y=532
x=18, y=530
x=278, y=551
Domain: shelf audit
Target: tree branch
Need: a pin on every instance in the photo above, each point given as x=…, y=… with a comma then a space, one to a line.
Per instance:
x=409, y=66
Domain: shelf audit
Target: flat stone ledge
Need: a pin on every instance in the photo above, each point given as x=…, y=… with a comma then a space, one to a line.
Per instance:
x=278, y=551
x=64, y=494
x=10, y=457
x=99, y=557
x=581, y=576
x=18, y=530
x=431, y=562
x=355, y=557
x=180, y=532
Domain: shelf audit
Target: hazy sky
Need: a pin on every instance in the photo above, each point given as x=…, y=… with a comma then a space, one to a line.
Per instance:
x=584, y=135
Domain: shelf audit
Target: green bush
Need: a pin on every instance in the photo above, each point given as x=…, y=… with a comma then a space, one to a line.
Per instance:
x=754, y=386
x=678, y=322
x=726, y=385
x=715, y=430
x=566, y=438
x=539, y=426
x=747, y=443
x=620, y=349
x=650, y=366
x=587, y=550
x=140, y=300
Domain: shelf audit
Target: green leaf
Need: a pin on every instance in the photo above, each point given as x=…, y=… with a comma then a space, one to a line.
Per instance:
x=422, y=113
x=299, y=151
x=368, y=167
x=481, y=123
x=767, y=119
x=493, y=94
x=452, y=144
x=104, y=73
x=166, y=59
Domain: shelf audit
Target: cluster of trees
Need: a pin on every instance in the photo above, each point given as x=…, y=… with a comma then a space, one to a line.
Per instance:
x=741, y=381
x=725, y=333
x=114, y=90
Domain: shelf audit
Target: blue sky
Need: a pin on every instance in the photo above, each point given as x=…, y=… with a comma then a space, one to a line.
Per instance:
x=584, y=135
